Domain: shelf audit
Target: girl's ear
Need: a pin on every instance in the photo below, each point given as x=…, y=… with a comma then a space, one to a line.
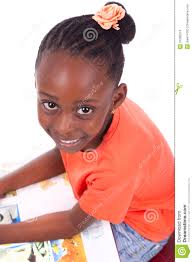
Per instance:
x=119, y=95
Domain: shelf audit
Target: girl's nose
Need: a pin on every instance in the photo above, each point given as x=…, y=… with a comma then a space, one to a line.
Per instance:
x=64, y=124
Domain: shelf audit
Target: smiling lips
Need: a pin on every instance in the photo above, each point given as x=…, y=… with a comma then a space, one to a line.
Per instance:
x=69, y=141
x=73, y=142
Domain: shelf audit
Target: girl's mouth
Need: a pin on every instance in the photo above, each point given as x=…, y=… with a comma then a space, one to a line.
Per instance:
x=69, y=143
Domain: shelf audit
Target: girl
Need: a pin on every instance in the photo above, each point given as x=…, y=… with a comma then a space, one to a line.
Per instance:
x=118, y=162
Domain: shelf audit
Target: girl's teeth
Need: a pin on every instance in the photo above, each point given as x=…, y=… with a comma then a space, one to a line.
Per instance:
x=70, y=141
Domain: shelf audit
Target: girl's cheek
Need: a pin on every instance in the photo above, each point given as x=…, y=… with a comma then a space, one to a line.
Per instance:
x=94, y=127
x=44, y=121
x=42, y=118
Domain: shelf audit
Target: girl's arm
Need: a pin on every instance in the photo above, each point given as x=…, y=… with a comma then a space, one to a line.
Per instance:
x=59, y=225
x=43, y=167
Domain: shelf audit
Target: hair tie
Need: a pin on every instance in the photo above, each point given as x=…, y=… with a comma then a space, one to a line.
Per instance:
x=109, y=15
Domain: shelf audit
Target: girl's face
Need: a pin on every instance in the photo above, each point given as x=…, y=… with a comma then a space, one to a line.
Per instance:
x=74, y=101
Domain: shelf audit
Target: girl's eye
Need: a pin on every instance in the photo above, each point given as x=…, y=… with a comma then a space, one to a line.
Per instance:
x=50, y=106
x=85, y=110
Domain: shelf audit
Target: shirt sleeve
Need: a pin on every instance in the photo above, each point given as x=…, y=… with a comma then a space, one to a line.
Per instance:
x=108, y=196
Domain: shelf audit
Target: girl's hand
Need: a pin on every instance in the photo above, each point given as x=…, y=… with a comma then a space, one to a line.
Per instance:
x=2, y=195
x=3, y=188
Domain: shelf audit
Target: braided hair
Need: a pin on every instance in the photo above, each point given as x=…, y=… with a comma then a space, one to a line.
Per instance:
x=73, y=35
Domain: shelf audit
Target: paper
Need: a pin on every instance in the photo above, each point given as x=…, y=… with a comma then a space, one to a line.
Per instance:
x=96, y=243
x=45, y=197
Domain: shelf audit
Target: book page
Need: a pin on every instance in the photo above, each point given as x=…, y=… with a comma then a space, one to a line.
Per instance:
x=48, y=196
x=96, y=243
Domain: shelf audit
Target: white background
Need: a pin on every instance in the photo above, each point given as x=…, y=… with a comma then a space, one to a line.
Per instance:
x=148, y=69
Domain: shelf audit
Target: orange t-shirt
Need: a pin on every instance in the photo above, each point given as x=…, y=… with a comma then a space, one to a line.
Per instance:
x=129, y=177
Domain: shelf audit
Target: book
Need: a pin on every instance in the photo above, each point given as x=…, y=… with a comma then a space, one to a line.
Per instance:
x=95, y=243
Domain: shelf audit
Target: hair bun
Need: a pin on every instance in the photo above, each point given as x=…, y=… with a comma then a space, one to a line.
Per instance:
x=127, y=26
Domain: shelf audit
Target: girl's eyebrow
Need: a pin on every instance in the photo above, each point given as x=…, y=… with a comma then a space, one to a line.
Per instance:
x=44, y=93
x=83, y=101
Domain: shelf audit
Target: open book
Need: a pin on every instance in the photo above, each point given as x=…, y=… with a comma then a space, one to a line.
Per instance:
x=96, y=243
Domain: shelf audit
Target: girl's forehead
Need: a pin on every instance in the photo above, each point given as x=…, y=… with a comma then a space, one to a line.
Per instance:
x=60, y=74
x=59, y=63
